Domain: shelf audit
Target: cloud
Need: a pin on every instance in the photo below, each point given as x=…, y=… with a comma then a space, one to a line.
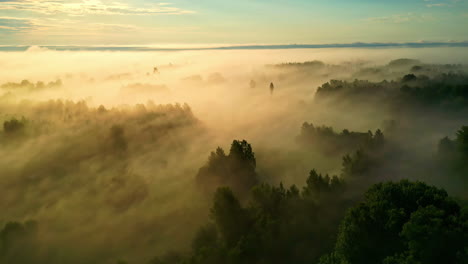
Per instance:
x=441, y=3
x=73, y=28
x=63, y=27
x=36, y=48
x=13, y=24
x=400, y=18
x=437, y=5
x=90, y=7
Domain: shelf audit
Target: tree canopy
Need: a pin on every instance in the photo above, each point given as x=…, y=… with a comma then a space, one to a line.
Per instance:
x=403, y=222
x=235, y=170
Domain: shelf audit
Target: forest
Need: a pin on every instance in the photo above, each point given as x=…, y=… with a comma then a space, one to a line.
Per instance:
x=285, y=161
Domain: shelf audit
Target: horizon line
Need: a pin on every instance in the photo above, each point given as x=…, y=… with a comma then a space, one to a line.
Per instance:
x=201, y=47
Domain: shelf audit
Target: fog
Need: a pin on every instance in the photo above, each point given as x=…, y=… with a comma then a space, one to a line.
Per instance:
x=107, y=147
x=214, y=83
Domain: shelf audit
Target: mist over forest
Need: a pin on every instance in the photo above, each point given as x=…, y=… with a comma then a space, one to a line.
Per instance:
x=327, y=156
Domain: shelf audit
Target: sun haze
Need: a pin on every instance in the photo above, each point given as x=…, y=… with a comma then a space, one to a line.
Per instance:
x=249, y=131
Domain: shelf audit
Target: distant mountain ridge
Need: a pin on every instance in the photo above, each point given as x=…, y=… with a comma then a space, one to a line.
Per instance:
x=238, y=47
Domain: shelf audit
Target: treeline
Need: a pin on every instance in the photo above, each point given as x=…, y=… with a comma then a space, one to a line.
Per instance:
x=308, y=64
x=448, y=91
x=72, y=133
x=325, y=139
x=57, y=115
x=452, y=157
x=364, y=70
x=329, y=220
x=85, y=173
x=401, y=223
x=31, y=86
x=110, y=183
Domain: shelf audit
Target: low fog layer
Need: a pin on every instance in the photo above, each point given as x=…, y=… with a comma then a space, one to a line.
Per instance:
x=113, y=156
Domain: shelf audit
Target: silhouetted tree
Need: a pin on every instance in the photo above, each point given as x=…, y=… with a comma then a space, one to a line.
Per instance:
x=229, y=216
x=236, y=170
x=278, y=225
x=326, y=140
x=462, y=140
x=409, y=78
x=13, y=126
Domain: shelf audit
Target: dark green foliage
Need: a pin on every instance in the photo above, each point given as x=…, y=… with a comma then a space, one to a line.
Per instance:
x=452, y=156
x=207, y=246
x=278, y=225
x=360, y=165
x=355, y=89
x=448, y=91
x=326, y=140
x=451, y=163
x=403, y=62
x=241, y=152
x=434, y=235
x=236, y=170
x=404, y=222
x=318, y=186
x=462, y=140
x=229, y=216
x=409, y=78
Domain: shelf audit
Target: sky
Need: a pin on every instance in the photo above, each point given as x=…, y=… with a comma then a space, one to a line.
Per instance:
x=195, y=22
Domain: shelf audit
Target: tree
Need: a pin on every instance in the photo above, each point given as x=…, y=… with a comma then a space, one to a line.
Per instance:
x=278, y=225
x=379, y=139
x=241, y=152
x=408, y=221
x=434, y=235
x=326, y=140
x=229, y=216
x=13, y=126
x=206, y=238
x=452, y=156
x=409, y=78
x=236, y=170
x=462, y=140
x=318, y=186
